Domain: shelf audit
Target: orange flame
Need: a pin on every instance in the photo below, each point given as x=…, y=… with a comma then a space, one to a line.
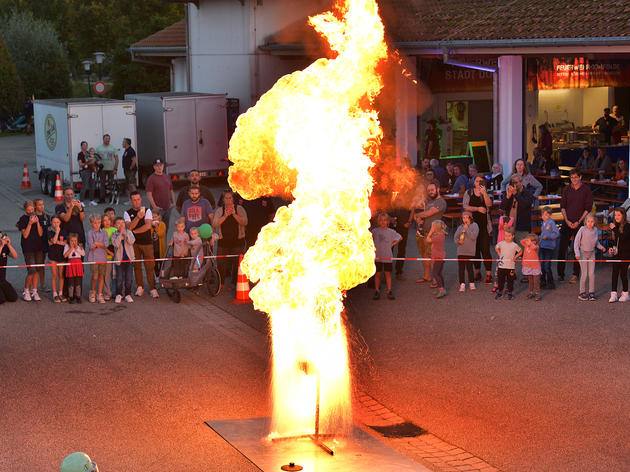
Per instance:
x=314, y=136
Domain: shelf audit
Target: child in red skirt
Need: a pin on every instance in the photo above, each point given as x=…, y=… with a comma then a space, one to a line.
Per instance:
x=74, y=271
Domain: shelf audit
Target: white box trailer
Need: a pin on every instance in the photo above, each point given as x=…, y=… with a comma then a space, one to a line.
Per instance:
x=61, y=125
x=186, y=130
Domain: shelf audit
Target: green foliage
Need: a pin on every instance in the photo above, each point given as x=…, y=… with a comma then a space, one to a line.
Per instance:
x=111, y=26
x=39, y=56
x=11, y=91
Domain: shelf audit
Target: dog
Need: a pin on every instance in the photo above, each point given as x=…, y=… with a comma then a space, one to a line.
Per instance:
x=114, y=197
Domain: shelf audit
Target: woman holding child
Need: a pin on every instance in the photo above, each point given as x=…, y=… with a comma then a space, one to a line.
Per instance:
x=229, y=223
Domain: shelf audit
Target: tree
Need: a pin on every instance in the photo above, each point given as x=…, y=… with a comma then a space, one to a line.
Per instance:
x=39, y=56
x=11, y=91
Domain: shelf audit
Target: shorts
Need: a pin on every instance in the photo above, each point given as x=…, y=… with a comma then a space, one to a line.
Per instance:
x=98, y=270
x=31, y=258
x=130, y=176
x=386, y=266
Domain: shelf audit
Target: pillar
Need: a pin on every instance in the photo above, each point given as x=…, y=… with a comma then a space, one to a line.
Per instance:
x=510, y=120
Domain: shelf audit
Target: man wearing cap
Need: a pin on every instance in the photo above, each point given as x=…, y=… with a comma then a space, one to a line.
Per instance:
x=160, y=192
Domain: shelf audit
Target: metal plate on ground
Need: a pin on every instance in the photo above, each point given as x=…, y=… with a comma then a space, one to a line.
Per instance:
x=359, y=452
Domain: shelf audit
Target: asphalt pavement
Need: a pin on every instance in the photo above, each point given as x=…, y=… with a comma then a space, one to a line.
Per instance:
x=525, y=385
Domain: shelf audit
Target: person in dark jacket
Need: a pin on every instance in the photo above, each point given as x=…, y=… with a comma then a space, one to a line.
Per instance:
x=620, y=250
x=517, y=202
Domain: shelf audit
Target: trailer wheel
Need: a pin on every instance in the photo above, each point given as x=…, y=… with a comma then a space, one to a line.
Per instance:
x=43, y=184
x=50, y=181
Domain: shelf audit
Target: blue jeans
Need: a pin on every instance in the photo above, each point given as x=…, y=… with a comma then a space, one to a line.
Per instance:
x=124, y=276
x=546, y=254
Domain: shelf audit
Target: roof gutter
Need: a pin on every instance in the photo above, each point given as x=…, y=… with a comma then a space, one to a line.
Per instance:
x=157, y=51
x=516, y=43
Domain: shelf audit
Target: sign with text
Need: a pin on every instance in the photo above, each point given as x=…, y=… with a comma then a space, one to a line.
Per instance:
x=444, y=78
x=576, y=72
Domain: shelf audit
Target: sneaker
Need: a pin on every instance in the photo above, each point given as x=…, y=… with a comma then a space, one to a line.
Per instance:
x=591, y=297
x=613, y=297
x=624, y=297
x=538, y=298
x=583, y=297
x=509, y=296
x=390, y=295
x=488, y=279
x=92, y=297
x=56, y=299
x=26, y=296
x=494, y=290
x=62, y=299
x=433, y=285
x=441, y=293
x=477, y=276
x=78, y=300
x=530, y=296
x=100, y=298
x=462, y=287
x=71, y=301
x=498, y=295
x=107, y=298
x=573, y=279
x=471, y=286
x=118, y=299
x=377, y=295
x=140, y=291
x=93, y=203
x=35, y=296
x=128, y=299
x=154, y=293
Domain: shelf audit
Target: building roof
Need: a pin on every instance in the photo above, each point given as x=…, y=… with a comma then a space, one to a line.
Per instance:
x=490, y=23
x=171, y=36
x=478, y=20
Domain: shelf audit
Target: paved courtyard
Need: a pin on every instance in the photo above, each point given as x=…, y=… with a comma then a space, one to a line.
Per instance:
x=509, y=385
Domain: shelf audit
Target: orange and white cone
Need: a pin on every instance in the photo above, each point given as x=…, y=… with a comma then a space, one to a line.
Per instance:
x=26, y=181
x=242, y=286
x=58, y=190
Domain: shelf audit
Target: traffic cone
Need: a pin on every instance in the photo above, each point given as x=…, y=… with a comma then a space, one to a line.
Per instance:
x=58, y=190
x=26, y=181
x=242, y=286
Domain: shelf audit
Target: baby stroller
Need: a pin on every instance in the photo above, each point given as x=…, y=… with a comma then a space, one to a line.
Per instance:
x=197, y=272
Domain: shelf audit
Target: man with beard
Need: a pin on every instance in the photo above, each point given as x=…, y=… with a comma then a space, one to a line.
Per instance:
x=196, y=210
x=434, y=208
x=194, y=177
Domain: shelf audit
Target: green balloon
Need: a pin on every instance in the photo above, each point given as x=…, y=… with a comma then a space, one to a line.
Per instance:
x=205, y=231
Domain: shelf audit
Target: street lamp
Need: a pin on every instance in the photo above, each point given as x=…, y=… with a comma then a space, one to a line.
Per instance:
x=99, y=57
x=86, y=67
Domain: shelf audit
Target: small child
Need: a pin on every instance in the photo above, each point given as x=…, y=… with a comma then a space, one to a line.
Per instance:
x=110, y=230
x=531, y=265
x=74, y=271
x=195, y=246
x=123, y=240
x=586, y=240
x=97, y=241
x=505, y=221
x=158, y=238
x=549, y=234
x=179, y=241
x=508, y=251
x=466, y=240
x=56, y=242
x=385, y=239
x=436, y=238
